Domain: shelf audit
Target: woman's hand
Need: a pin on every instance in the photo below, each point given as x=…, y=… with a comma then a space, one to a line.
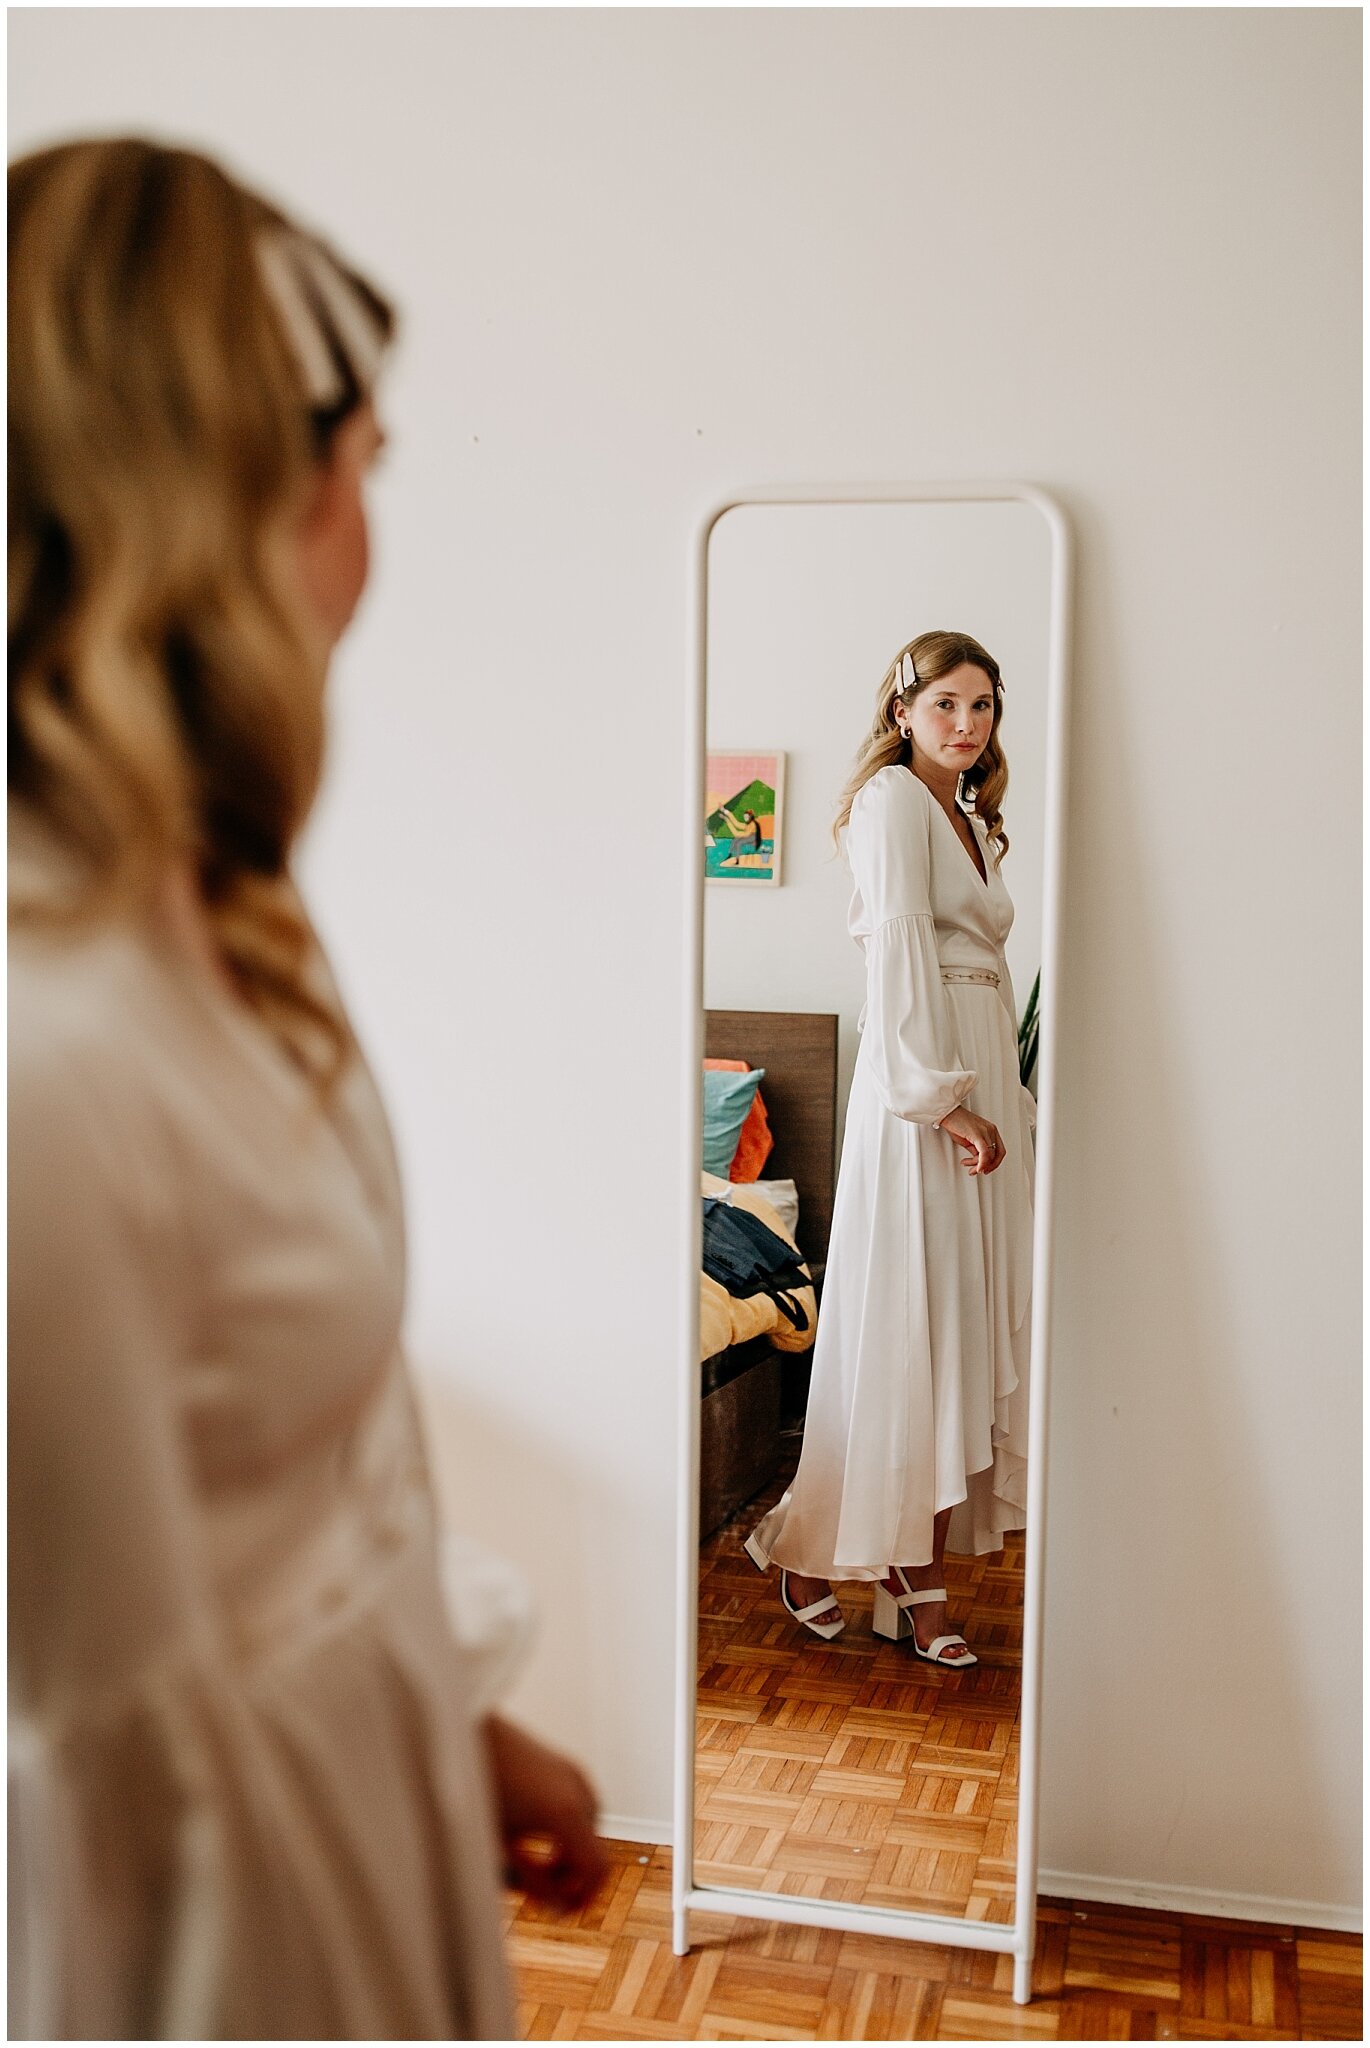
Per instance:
x=979, y=1138
x=546, y=1807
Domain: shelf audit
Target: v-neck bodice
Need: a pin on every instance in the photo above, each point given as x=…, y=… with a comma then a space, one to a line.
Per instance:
x=980, y=858
x=921, y=868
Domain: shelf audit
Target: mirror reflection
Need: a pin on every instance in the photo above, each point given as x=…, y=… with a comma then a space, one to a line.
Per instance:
x=873, y=846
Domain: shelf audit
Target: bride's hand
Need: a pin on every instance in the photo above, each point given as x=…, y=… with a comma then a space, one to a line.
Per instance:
x=546, y=1808
x=977, y=1136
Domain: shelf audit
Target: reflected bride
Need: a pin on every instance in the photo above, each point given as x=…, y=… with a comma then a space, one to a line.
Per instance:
x=917, y=1424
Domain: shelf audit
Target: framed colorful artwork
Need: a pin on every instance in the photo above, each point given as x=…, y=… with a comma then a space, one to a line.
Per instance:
x=743, y=805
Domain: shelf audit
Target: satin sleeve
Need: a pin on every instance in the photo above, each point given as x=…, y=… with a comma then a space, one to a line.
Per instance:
x=109, y=1633
x=158, y=1884
x=133, y=1748
x=907, y=1043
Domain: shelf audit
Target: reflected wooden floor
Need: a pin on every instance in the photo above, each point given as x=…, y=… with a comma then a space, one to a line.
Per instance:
x=849, y=1770
x=1102, y=1973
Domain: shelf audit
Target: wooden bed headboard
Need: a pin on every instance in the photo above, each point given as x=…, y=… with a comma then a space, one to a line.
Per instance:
x=798, y=1049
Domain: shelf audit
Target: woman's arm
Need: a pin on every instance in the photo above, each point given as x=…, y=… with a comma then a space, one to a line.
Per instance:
x=112, y=1646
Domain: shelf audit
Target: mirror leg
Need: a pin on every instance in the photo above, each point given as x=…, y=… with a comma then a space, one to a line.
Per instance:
x=1022, y=1980
x=680, y=1931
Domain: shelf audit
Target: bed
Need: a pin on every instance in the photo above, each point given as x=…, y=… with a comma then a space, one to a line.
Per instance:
x=746, y=1384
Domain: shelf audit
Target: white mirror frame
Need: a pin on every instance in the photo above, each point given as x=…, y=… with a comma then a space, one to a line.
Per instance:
x=1018, y=1939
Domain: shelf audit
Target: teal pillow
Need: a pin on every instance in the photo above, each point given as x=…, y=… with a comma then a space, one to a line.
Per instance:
x=728, y=1100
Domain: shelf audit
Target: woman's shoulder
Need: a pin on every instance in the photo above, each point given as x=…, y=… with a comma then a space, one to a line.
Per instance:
x=100, y=1151
x=91, y=1031
x=88, y=990
x=892, y=791
x=78, y=1021
x=73, y=994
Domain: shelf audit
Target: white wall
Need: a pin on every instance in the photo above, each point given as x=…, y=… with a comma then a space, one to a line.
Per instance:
x=645, y=258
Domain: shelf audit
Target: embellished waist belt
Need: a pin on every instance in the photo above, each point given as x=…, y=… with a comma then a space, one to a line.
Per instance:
x=983, y=974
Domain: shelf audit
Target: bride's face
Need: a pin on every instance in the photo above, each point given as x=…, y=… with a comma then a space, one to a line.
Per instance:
x=951, y=720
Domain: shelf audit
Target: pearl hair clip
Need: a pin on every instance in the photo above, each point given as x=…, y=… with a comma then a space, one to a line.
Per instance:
x=323, y=314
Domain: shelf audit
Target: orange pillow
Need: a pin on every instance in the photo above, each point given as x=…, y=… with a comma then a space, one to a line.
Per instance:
x=754, y=1143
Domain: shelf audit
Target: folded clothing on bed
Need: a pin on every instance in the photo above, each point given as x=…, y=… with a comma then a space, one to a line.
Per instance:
x=783, y=1197
x=731, y=1319
x=747, y=1257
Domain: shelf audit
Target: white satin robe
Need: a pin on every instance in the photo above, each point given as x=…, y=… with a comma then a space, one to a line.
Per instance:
x=918, y=1399
x=248, y=1790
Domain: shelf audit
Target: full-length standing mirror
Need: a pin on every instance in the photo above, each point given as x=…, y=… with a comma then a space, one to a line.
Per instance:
x=867, y=1234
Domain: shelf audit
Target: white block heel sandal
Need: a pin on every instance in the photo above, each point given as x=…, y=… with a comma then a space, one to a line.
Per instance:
x=826, y=1629
x=892, y=1620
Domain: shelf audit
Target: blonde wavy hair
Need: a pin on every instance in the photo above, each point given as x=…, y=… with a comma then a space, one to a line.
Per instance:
x=180, y=357
x=932, y=656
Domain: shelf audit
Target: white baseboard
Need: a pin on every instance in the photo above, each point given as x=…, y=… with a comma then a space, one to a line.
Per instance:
x=627, y=1827
x=1192, y=1898
x=1101, y=1891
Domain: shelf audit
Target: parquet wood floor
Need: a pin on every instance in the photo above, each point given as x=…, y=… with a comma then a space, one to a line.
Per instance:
x=1101, y=1973
x=848, y=1769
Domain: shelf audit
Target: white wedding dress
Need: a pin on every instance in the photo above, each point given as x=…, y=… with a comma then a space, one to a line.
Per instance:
x=919, y=1394
x=248, y=1785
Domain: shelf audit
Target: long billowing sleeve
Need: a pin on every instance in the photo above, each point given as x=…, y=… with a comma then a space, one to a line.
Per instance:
x=907, y=1040
x=112, y=1652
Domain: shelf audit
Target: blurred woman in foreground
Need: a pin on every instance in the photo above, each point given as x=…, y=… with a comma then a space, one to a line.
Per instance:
x=255, y=1789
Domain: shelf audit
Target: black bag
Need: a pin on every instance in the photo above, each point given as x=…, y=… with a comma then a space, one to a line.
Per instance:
x=747, y=1257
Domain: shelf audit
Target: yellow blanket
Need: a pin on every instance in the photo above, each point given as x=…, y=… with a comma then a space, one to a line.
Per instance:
x=725, y=1319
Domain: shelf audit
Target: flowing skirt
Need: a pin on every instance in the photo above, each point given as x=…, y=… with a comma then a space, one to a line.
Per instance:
x=919, y=1394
